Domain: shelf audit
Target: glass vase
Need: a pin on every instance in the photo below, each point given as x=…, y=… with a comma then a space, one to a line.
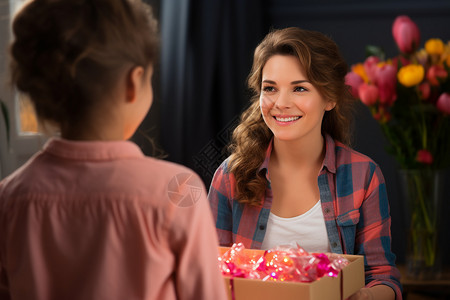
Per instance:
x=422, y=193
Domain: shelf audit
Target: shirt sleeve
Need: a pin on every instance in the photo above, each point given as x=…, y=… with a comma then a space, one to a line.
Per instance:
x=219, y=197
x=373, y=238
x=194, y=242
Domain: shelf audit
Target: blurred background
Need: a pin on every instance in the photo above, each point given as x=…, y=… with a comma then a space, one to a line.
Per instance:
x=206, y=55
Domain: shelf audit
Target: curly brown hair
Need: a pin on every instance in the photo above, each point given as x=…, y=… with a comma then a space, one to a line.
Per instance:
x=324, y=67
x=67, y=55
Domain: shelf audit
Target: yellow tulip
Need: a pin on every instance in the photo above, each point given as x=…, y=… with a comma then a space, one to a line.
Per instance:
x=411, y=75
x=445, y=57
x=359, y=69
x=434, y=46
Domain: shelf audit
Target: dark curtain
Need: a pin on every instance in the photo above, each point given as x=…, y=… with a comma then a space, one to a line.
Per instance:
x=207, y=49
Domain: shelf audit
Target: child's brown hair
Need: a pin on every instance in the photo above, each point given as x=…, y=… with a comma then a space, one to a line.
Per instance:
x=67, y=55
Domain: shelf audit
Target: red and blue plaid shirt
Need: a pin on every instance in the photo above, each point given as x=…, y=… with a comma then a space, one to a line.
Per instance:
x=354, y=204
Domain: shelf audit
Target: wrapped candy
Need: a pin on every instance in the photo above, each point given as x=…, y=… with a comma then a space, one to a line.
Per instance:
x=282, y=263
x=236, y=263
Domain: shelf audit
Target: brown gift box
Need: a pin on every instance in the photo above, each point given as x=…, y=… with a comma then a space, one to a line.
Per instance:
x=349, y=280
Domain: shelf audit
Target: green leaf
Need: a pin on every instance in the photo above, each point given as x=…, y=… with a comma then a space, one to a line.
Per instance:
x=372, y=50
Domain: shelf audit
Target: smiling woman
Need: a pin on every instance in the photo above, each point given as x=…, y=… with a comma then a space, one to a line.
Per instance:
x=291, y=176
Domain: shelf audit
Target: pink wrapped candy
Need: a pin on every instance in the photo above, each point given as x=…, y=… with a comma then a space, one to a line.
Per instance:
x=282, y=263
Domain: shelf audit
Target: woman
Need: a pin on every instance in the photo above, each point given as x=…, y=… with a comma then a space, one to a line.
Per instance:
x=291, y=175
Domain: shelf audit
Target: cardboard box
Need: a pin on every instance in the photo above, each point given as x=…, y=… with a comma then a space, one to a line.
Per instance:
x=349, y=281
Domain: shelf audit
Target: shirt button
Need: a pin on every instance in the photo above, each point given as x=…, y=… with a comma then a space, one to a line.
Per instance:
x=262, y=227
x=327, y=210
x=333, y=245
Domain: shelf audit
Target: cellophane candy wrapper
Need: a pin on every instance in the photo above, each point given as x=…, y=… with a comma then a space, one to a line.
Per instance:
x=283, y=263
x=236, y=263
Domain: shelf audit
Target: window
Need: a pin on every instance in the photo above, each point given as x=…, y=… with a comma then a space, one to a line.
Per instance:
x=24, y=139
x=27, y=117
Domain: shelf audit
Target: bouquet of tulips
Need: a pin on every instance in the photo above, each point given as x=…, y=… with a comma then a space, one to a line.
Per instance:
x=409, y=96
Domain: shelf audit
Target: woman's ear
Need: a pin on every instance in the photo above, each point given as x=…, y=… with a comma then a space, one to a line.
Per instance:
x=330, y=105
x=133, y=82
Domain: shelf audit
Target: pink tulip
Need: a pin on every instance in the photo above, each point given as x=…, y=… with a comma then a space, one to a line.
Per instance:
x=425, y=90
x=370, y=66
x=368, y=93
x=443, y=103
x=386, y=80
x=406, y=34
x=424, y=156
x=436, y=73
x=354, y=81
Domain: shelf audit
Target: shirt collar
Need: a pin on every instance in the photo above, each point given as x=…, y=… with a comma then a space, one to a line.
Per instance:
x=329, y=160
x=92, y=150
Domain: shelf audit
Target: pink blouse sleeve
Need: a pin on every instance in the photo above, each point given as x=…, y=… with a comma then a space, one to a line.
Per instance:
x=193, y=238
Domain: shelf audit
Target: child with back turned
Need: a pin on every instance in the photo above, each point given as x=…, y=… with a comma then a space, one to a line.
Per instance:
x=89, y=216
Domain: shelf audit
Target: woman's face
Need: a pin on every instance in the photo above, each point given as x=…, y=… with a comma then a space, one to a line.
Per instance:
x=291, y=106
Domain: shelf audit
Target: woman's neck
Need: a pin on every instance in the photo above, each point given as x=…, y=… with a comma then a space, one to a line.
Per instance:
x=305, y=153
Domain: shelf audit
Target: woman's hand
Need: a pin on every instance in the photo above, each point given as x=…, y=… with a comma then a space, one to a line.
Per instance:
x=362, y=294
x=381, y=292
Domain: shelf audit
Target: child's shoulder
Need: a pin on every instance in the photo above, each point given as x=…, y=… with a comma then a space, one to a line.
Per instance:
x=164, y=171
x=164, y=166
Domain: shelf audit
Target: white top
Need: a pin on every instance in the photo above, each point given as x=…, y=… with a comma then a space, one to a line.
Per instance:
x=308, y=230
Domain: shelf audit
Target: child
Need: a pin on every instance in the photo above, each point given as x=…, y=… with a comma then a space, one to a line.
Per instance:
x=89, y=217
x=291, y=175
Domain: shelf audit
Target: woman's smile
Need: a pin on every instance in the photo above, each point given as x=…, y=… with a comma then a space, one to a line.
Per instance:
x=286, y=120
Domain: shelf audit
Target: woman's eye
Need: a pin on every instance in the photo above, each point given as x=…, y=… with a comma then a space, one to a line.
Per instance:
x=299, y=89
x=268, y=89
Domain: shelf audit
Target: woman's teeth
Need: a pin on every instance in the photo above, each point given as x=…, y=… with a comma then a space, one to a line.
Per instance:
x=289, y=119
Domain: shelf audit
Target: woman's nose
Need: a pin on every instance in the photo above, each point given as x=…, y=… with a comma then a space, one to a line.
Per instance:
x=283, y=100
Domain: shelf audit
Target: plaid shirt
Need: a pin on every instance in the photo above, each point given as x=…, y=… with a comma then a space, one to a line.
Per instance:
x=354, y=204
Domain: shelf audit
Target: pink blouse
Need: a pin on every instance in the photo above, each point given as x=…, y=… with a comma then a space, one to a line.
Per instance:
x=99, y=220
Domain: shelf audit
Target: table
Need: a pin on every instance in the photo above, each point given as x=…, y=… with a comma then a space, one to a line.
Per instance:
x=425, y=289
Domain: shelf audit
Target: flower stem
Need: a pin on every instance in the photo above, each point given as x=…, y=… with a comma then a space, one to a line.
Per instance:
x=420, y=192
